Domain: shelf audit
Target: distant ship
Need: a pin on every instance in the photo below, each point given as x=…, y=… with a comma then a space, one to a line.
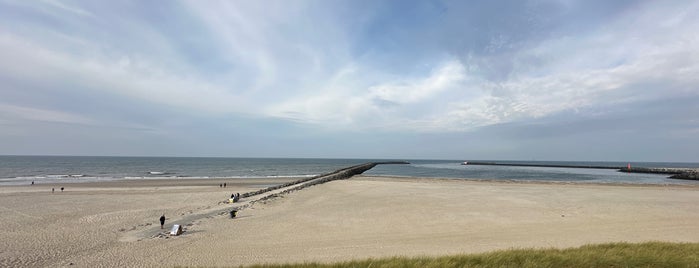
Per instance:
x=464, y=163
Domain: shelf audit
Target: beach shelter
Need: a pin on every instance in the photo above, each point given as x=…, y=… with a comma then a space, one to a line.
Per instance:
x=176, y=230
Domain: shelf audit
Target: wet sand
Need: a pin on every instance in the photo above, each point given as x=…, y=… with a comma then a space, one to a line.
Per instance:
x=116, y=223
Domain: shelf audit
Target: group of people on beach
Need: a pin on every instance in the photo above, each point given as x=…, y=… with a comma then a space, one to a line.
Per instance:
x=53, y=190
x=223, y=185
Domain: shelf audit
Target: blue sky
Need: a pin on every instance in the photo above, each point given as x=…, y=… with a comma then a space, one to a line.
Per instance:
x=544, y=79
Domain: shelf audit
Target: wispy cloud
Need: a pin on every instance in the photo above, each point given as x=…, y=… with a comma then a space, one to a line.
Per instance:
x=12, y=113
x=137, y=78
x=446, y=77
x=620, y=64
x=66, y=7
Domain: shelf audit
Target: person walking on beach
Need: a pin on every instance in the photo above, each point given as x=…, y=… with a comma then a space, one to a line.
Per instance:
x=61, y=189
x=162, y=221
x=53, y=190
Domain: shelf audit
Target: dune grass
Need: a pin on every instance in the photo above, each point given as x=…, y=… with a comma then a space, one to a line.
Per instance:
x=650, y=254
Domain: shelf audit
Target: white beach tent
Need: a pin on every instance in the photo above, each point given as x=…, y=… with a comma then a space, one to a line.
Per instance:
x=176, y=230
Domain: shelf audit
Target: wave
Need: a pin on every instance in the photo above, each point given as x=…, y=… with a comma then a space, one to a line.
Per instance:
x=159, y=173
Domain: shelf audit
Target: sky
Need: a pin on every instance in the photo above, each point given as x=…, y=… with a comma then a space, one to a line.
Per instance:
x=502, y=80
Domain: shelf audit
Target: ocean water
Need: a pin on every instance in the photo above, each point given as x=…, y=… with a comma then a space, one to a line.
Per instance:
x=22, y=170
x=454, y=169
x=17, y=170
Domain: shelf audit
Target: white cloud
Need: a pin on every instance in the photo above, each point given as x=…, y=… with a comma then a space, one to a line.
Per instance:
x=342, y=103
x=411, y=91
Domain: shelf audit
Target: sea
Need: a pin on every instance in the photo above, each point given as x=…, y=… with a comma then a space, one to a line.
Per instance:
x=23, y=170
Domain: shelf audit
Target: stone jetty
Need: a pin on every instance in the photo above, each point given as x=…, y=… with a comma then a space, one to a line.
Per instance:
x=677, y=173
x=340, y=174
x=688, y=175
x=537, y=165
x=344, y=173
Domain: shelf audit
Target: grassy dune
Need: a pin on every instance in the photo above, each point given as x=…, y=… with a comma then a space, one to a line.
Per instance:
x=651, y=254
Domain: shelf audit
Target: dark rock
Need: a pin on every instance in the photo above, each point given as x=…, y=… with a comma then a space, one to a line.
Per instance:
x=687, y=175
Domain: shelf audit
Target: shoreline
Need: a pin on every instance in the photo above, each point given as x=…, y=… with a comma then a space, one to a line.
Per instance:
x=157, y=183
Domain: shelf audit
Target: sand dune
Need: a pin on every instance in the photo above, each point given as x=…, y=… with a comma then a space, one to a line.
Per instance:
x=116, y=223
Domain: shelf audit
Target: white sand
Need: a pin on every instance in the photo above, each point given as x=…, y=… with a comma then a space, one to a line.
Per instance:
x=110, y=224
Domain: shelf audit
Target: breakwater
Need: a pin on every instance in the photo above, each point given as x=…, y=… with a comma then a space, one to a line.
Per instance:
x=335, y=175
x=340, y=174
x=688, y=175
x=537, y=165
x=676, y=173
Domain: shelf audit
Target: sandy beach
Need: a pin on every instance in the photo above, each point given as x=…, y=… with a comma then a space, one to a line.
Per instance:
x=116, y=223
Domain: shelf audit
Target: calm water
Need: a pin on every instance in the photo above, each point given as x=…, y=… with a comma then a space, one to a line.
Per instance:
x=18, y=170
x=454, y=169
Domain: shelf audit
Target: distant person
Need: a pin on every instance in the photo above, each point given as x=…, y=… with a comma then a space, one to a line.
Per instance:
x=224, y=185
x=32, y=182
x=53, y=190
x=162, y=221
x=220, y=185
x=61, y=189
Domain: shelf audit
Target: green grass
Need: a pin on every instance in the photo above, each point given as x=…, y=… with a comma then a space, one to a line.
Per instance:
x=651, y=254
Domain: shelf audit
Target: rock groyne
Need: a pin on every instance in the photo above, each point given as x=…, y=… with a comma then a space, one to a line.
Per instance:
x=335, y=175
x=667, y=171
x=677, y=173
x=340, y=174
x=537, y=165
x=689, y=175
